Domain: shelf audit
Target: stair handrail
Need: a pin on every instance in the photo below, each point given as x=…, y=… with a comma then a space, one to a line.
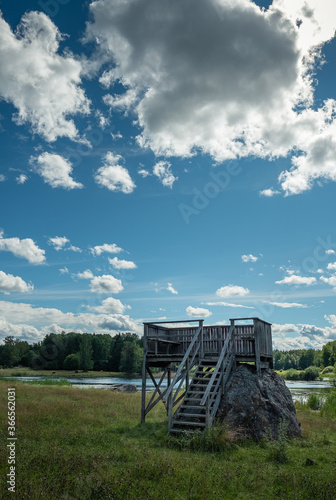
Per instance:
x=183, y=362
x=218, y=366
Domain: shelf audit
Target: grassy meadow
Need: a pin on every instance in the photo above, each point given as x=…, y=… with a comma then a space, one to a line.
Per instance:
x=87, y=443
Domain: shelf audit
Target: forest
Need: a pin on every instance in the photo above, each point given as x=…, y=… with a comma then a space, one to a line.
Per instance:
x=75, y=351
x=301, y=359
x=123, y=353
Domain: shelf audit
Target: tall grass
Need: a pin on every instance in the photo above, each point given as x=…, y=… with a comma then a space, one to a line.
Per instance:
x=84, y=444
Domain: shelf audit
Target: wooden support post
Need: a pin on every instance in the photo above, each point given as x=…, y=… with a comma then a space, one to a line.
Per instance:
x=187, y=374
x=257, y=346
x=144, y=366
x=207, y=417
x=233, y=345
x=201, y=351
x=169, y=401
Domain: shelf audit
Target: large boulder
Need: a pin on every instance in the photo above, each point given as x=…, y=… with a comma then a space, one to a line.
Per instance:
x=258, y=406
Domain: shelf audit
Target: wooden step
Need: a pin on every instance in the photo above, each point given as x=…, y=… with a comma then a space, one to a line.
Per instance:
x=192, y=415
x=193, y=407
x=194, y=424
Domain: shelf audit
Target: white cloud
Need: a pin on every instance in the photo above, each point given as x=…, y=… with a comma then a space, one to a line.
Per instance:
x=85, y=275
x=21, y=179
x=232, y=291
x=110, y=306
x=106, y=284
x=249, y=258
x=331, y=266
x=123, y=102
x=237, y=82
x=198, y=312
x=227, y=304
x=64, y=270
x=43, y=86
x=144, y=173
x=171, y=289
x=58, y=242
x=330, y=281
x=162, y=170
x=330, y=252
x=31, y=323
x=10, y=283
x=288, y=305
x=26, y=249
x=106, y=247
x=113, y=176
x=122, y=264
x=268, y=193
x=294, y=279
x=54, y=170
x=2, y=178
x=72, y=248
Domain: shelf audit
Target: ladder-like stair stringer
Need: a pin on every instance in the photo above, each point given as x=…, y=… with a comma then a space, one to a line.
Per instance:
x=192, y=415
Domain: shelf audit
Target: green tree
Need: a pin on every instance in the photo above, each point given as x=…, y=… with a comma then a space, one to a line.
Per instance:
x=71, y=362
x=85, y=353
x=131, y=358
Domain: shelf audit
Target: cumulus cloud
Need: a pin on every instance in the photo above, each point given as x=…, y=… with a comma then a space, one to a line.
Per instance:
x=171, y=289
x=2, y=178
x=85, y=275
x=106, y=284
x=109, y=306
x=330, y=252
x=233, y=80
x=330, y=281
x=162, y=170
x=10, y=283
x=58, y=242
x=64, y=270
x=55, y=171
x=21, y=179
x=294, y=279
x=106, y=247
x=122, y=264
x=269, y=192
x=232, y=291
x=198, y=312
x=26, y=249
x=113, y=176
x=331, y=266
x=144, y=173
x=61, y=243
x=249, y=258
x=43, y=85
x=31, y=323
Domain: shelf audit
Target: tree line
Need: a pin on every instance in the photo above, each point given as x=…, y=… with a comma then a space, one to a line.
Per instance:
x=75, y=351
x=300, y=359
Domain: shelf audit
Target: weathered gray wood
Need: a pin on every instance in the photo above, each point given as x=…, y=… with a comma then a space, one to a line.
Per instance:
x=143, y=387
x=247, y=342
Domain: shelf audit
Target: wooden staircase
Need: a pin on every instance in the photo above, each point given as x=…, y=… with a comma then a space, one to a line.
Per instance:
x=204, y=393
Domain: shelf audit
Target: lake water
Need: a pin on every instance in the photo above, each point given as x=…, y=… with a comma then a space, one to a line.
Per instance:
x=300, y=389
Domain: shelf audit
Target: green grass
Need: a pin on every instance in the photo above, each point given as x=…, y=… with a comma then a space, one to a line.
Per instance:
x=82, y=444
x=28, y=372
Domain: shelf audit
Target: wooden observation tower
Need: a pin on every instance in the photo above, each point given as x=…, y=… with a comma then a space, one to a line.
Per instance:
x=210, y=353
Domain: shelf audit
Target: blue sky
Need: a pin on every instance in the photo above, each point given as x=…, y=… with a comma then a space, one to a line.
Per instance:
x=166, y=161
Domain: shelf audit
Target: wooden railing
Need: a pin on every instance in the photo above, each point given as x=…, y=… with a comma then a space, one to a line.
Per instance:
x=211, y=398
x=181, y=377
